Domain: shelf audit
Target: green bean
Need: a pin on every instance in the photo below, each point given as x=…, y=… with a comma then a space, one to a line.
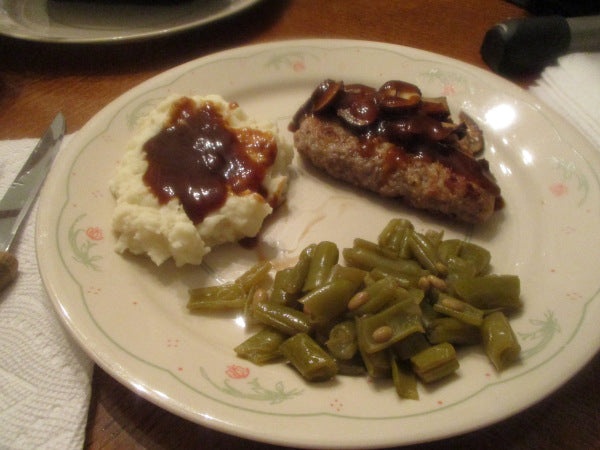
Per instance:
x=410, y=346
x=377, y=364
x=325, y=256
x=490, y=292
x=298, y=273
x=456, y=248
x=352, y=367
x=381, y=330
x=402, y=280
x=448, y=249
x=479, y=256
x=405, y=380
x=282, y=318
x=342, y=343
x=256, y=275
x=373, y=298
x=329, y=301
x=499, y=341
x=435, y=237
x=222, y=297
x=369, y=260
x=458, y=309
x=423, y=251
x=458, y=268
x=394, y=237
x=313, y=363
x=352, y=274
x=435, y=362
x=279, y=292
x=262, y=347
x=374, y=247
x=449, y=329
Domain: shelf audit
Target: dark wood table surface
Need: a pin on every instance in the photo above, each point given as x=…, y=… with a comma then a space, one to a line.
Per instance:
x=39, y=79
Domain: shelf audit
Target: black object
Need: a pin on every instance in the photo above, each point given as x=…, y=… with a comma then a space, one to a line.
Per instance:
x=522, y=46
x=567, y=8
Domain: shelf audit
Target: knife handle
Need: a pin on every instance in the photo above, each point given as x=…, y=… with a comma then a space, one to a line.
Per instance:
x=525, y=45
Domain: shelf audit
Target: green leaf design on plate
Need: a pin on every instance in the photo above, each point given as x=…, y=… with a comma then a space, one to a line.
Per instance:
x=296, y=60
x=81, y=244
x=255, y=390
x=569, y=170
x=542, y=335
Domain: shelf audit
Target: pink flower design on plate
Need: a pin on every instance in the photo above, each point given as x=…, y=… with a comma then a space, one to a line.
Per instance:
x=299, y=66
x=559, y=189
x=94, y=233
x=237, y=372
x=448, y=90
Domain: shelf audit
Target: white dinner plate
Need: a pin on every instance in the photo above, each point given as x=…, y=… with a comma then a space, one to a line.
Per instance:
x=131, y=318
x=89, y=21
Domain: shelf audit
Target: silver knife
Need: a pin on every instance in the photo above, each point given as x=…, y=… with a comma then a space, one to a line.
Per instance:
x=17, y=201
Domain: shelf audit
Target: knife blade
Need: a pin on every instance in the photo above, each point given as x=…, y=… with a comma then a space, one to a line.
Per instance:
x=20, y=195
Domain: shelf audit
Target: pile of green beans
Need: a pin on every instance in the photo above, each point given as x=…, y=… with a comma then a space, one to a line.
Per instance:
x=396, y=309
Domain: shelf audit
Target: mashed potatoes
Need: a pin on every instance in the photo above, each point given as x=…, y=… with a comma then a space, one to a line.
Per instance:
x=145, y=225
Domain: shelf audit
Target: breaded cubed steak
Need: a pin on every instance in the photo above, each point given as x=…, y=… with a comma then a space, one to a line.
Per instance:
x=395, y=142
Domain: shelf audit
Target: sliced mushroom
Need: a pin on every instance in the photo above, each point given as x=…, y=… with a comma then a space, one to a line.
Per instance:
x=419, y=126
x=435, y=106
x=472, y=143
x=325, y=94
x=398, y=96
x=357, y=106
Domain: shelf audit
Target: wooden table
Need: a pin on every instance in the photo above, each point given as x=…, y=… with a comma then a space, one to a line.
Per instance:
x=37, y=80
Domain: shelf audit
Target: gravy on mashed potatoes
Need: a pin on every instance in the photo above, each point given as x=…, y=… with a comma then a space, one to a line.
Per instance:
x=197, y=173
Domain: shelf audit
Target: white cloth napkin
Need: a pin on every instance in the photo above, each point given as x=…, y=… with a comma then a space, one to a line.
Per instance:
x=572, y=87
x=45, y=378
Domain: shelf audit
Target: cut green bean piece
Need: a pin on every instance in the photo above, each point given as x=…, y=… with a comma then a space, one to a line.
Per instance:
x=297, y=276
x=352, y=274
x=391, y=325
x=479, y=256
x=394, y=237
x=351, y=367
x=449, y=329
x=279, y=292
x=405, y=380
x=325, y=256
x=435, y=362
x=342, y=343
x=402, y=280
x=410, y=346
x=377, y=364
x=262, y=347
x=329, y=301
x=489, y=292
x=458, y=309
x=283, y=318
x=256, y=275
x=369, y=260
x=499, y=341
x=223, y=297
x=313, y=363
x=448, y=249
x=373, y=298
x=435, y=237
x=423, y=251
x=374, y=247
